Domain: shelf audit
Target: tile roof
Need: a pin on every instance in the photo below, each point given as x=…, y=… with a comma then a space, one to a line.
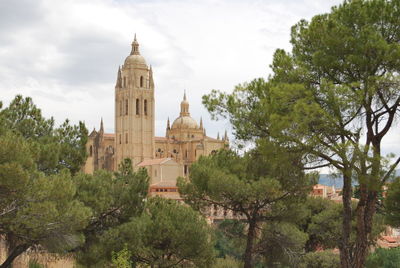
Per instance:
x=164, y=184
x=109, y=135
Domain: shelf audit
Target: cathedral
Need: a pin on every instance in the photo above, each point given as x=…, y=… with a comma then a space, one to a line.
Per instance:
x=165, y=158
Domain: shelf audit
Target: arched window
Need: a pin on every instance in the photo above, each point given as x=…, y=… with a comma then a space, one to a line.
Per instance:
x=186, y=154
x=126, y=107
x=126, y=137
x=141, y=81
x=137, y=106
x=120, y=139
x=145, y=107
x=91, y=150
x=120, y=108
x=185, y=169
x=124, y=81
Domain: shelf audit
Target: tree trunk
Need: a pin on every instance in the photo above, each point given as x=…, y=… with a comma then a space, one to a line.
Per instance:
x=344, y=247
x=365, y=213
x=248, y=255
x=18, y=250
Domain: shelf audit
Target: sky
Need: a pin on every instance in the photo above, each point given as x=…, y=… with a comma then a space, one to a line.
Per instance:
x=65, y=53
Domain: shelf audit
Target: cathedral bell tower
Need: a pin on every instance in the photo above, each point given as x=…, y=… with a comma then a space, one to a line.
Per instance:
x=134, y=109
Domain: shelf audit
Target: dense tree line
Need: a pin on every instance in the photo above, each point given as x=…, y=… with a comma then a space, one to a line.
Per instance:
x=46, y=203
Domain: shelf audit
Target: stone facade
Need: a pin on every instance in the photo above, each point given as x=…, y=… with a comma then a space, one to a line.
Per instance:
x=165, y=158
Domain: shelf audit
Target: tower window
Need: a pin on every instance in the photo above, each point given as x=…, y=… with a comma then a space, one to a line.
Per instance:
x=137, y=106
x=120, y=139
x=145, y=107
x=126, y=107
x=91, y=150
x=124, y=81
x=126, y=138
x=185, y=169
x=186, y=154
x=120, y=108
x=141, y=81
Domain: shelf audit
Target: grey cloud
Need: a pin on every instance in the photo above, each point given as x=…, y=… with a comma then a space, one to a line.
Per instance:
x=19, y=13
x=91, y=58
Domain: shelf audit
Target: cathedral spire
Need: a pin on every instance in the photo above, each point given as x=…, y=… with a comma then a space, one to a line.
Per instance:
x=119, y=78
x=201, y=122
x=135, y=47
x=184, y=106
x=226, y=135
x=151, y=77
x=101, y=126
x=218, y=136
x=168, y=125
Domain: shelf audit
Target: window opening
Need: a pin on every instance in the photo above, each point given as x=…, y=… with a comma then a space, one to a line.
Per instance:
x=137, y=106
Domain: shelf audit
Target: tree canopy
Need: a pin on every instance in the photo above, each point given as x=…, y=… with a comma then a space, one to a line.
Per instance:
x=257, y=186
x=166, y=234
x=335, y=97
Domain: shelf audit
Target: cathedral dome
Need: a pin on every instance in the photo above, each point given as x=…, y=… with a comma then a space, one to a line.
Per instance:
x=185, y=122
x=135, y=58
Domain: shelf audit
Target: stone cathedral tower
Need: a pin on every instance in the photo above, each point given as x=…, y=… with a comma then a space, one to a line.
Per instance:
x=134, y=109
x=165, y=158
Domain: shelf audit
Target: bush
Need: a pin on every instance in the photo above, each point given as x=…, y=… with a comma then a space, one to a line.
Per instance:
x=384, y=258
x=227, y=262
x=321, y=259
x=35, y=264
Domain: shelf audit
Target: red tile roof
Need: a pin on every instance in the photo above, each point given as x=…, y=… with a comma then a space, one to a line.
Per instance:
x=168, y=184
x=109, y=135
x=389, y=239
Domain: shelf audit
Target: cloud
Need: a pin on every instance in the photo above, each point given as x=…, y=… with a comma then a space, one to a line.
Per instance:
x=65, y=54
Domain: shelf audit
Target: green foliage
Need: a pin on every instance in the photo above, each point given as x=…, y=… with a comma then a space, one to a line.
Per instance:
x=35, y=264
x=227, y=262
x=121, y=259
x=230, y=239
x=36, y=209
x=282, y=243
x=339, y=83
x=322, y=223
x=392, y=203
x=260, y=185
x=320, y=259
x=113, y=199
x=55, y=148
x=167, y=234
x=384, y=258
x=37, y=196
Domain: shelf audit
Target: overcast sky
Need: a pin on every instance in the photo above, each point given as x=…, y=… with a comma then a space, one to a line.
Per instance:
x=65, y=53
